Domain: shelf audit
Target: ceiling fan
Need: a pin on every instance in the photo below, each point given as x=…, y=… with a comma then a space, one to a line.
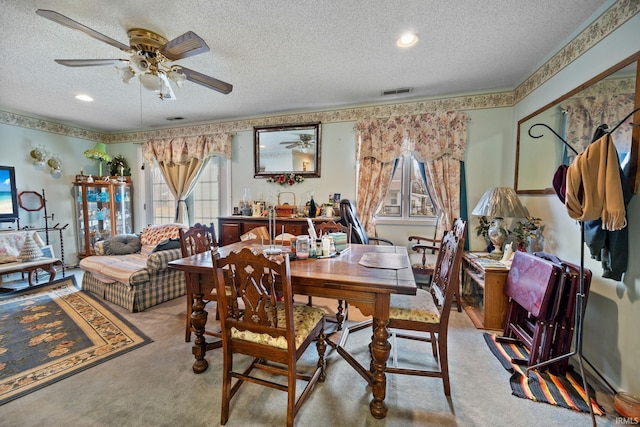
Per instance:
x=304, y=143
x=149, y=57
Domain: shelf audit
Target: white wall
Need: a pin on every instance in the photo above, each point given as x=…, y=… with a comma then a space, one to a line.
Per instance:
x=15, y=145
x=611, y=339
x=337, y=168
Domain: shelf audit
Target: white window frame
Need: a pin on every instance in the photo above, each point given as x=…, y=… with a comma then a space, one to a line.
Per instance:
x=405, y=205
x=223, y=191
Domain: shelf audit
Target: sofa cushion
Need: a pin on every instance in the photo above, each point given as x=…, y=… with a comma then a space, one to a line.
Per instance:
x=122, y=244
x=167, y=244
x=112, y=268
x=154, y=234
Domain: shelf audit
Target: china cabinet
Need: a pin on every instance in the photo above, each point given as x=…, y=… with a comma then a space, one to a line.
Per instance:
x=103, y=209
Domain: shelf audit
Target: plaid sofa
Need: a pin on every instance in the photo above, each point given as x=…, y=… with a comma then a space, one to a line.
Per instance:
x=140, y=280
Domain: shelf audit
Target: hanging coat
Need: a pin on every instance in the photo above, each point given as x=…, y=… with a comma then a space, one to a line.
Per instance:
x=610, y=247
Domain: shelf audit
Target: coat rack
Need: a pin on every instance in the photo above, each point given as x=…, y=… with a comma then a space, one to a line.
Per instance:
x=32, y=201
x=580, y=296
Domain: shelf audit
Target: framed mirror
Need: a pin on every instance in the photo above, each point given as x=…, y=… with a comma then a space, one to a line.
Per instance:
x=605, y=99
x=285, y=149
x=30, y=201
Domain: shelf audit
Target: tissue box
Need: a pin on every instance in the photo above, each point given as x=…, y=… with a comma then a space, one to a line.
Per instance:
x=339, y=240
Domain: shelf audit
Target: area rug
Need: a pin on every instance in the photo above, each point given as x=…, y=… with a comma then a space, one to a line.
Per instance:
x=566, y=391
x=52, y=331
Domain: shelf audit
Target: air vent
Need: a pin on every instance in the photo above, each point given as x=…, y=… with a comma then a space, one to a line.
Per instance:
x=397, y=91
x=174, y=118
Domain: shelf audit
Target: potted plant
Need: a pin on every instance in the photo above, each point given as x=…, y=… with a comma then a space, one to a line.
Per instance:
x=483, y=230
x=527, y=233
x=118, y=166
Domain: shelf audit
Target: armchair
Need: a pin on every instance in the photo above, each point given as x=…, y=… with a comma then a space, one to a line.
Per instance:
x=348, y=217
x=423, y=262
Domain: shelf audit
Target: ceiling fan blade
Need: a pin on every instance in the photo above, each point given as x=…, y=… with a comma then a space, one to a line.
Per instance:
x=90, y=62
x=206, y=81
x=68, y=22
x=188, y=44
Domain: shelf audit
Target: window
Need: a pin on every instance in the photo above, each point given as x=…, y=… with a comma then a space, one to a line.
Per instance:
x=203, y=203
x=163, y=202
x=408, y=196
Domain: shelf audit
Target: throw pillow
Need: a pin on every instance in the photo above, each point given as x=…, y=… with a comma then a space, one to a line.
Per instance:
x=122, y=244
x=154, y=234
x=167, y=244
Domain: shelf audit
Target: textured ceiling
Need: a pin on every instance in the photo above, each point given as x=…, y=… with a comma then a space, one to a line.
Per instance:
x=281, y=56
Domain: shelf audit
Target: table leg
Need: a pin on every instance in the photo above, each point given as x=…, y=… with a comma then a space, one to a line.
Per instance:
x=380, y=350
x=198, y=321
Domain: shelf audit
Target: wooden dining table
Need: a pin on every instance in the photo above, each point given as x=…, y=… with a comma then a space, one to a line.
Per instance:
x=363, y=275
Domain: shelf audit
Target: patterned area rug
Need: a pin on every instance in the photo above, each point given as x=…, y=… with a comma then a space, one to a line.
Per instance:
x=565, y=391
x=52, y=331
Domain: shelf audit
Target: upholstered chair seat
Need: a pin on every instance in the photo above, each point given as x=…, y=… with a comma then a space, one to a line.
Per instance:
x=305, y=318
x=418, y=308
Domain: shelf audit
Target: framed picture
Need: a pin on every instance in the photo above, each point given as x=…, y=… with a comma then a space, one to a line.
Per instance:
x=336, y=198
x=47, y=251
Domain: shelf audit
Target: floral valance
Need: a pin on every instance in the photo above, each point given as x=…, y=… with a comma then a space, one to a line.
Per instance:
x=182, y=150
x=428, y=136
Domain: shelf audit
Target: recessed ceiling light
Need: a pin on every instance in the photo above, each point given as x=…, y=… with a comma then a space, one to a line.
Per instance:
x=85, y=98
x=407, y=40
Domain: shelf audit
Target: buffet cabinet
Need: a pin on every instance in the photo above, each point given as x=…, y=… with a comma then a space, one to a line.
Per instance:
x=230, y=228
x=102, y=209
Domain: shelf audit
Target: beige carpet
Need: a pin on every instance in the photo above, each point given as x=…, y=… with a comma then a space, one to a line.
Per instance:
x=154, y=386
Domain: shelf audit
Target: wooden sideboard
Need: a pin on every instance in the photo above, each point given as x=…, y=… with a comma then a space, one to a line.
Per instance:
x=230, y=228
x=483, y=293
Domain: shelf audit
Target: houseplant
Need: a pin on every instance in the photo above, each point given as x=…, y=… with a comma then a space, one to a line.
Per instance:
x=528, y=234
x=118, y=166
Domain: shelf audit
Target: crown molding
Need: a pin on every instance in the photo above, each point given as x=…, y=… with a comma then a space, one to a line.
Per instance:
x=605, y=24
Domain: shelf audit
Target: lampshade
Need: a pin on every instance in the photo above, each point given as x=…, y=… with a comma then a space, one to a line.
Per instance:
x=126, y=73
x=151, y=81
x=501, y=202
x=101, y=147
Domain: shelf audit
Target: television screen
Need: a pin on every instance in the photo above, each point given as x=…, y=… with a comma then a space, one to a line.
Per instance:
x=8, y=194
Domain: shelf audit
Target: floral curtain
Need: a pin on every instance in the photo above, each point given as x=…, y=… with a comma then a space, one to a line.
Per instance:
x=437, y=139
x=440, y=142
x=182, y=160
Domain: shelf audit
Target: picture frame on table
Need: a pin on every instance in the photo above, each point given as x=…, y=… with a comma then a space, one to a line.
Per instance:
x=47, y=251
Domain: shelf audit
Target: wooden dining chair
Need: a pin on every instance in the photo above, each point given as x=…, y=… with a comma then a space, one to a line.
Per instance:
x=423, y=260
x=195, y=240
x=333, y=227
x=271, y=329
x=428, y=312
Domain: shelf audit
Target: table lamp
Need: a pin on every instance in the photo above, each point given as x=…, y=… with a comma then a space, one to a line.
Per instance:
x=499, y=203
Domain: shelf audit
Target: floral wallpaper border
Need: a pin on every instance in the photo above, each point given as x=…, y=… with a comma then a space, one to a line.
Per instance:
x=604, y=25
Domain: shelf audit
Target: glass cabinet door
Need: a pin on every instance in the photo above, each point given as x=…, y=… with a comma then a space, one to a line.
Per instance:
x=103, y=210
x=81, y=227
x=122, y=209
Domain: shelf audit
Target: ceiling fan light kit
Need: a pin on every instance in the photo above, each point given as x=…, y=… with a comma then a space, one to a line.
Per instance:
x=149, y=55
